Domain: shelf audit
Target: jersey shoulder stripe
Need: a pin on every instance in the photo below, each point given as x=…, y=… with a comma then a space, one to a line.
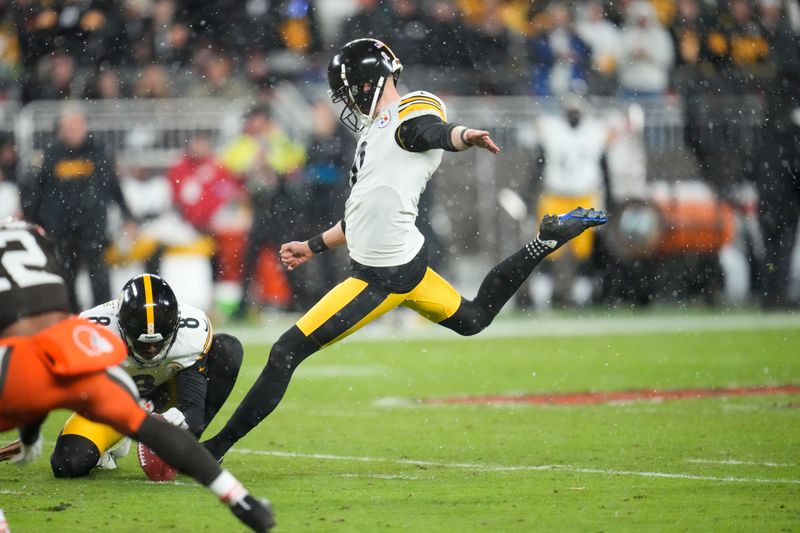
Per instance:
x=421, y=103
x=209, y=337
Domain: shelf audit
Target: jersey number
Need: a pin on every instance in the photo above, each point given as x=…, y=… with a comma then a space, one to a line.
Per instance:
x=358, y=162
x=18, y=264
x=144, y=383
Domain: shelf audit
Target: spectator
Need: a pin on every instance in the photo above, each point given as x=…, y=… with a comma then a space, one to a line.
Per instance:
x=54, y=79
x=446, y=32
x=559, y=57
x=9, y=160
x=603, y=39
x=488, y=42
x=201, y=187
x=646, y=53
x=573, y=146
x=218, y=80
x=408, y=35
x=373, y=20
x=265, y=156
x=69, y=197
x=9, y=46
x=153, y=82
x=688, y=33
x=298, y=27
x=738, y=47
x=106, y=86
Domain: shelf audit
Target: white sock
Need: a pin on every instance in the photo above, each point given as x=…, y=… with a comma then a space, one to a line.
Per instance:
x=228, y=489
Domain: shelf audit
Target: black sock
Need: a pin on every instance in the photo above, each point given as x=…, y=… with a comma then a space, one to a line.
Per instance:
x=505, y=279
x=267, y=392
x=261, y=400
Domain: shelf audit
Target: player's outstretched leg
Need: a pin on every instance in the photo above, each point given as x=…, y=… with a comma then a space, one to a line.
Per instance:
x=286, y=354
x=503, y=280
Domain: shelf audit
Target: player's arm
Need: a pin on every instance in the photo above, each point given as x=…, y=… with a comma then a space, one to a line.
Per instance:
x=192, y=386
x=295, y=253
x=423, y=126
x=428, y=132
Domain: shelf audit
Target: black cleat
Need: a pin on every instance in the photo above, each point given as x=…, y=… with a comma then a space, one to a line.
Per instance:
x=255, y=513
x=556, y=230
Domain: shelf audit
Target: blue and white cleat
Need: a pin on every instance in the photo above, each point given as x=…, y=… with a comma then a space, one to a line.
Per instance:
x=556, y=230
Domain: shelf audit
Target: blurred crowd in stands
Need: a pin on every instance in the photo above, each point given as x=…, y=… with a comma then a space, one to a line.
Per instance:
x=54, y=49
x=263, y=187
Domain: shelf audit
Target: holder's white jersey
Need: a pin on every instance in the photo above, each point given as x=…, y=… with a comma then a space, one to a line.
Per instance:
x=192, y=342
x=386, y=183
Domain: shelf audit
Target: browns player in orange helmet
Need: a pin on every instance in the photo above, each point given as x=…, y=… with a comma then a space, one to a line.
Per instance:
x=50, y=359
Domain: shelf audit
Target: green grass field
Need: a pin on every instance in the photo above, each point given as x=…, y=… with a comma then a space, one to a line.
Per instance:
x=351, y=450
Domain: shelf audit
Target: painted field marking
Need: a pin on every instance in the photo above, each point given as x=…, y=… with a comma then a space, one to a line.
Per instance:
x=519, y=468
x=620, y=398
x=383, y=476
x=736, y=462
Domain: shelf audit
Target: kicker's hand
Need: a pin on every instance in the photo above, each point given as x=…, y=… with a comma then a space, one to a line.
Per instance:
x=295, y=253
x=481, y=139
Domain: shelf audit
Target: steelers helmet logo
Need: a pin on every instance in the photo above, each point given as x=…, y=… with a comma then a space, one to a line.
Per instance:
x=386, y=117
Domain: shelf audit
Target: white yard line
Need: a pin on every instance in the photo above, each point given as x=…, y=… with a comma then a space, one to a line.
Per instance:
x=520, y=468
x=383, y=476
x=736, y=462
x=544, y=326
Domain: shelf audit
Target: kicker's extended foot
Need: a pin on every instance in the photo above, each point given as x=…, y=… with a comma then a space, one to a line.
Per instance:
x=556, y=230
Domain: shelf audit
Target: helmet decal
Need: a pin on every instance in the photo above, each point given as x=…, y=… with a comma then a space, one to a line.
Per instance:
x=148, y=306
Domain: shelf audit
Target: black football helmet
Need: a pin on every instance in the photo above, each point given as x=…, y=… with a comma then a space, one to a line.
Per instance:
x=356, y=76
x=148, y=318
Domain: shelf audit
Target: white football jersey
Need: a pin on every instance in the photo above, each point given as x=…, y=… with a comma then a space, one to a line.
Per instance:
x=572, y=155
x=192, y=341
x=386, y=183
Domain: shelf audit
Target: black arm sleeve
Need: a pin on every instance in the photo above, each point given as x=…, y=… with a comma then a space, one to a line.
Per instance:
x=424, y=133
x=192, y=387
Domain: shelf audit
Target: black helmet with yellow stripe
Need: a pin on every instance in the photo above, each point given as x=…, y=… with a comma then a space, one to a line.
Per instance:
x=148, y=318
x=356, y=76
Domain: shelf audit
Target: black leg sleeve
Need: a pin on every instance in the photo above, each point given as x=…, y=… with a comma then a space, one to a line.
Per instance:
x=497, y=288
x=224, y=361
x=179, y=449
x=73, y=456
x=286, y=354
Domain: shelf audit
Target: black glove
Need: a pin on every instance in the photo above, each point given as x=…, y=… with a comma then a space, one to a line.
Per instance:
x=255, y=513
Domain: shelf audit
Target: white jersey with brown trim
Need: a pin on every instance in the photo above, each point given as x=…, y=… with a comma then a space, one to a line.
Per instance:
x=386, y=183
x=192, y=342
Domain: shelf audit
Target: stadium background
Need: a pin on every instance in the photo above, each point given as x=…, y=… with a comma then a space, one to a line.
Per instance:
x=153, y=74
x=600, y=419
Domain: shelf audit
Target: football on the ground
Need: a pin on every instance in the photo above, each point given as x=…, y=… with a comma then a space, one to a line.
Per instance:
x=155, y=468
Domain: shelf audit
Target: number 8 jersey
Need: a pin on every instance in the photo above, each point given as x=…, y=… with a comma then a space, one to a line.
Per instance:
x=191, y=343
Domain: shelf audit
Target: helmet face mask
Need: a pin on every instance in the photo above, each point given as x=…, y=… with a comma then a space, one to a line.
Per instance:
x=357, y=75
x=148, y=318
